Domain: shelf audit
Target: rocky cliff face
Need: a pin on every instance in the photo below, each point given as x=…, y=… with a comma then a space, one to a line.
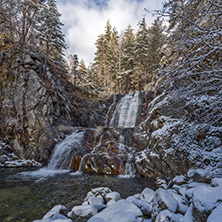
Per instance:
x=35, y=108
x=183, y=128
x=170, y=128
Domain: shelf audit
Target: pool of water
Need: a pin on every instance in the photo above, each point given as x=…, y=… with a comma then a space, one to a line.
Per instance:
x=26, y=195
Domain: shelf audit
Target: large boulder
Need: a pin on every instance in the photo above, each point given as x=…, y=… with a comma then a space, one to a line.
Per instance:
x=121, y=211
x=205, y=199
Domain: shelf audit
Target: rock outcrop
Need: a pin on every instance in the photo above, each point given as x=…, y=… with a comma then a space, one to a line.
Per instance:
x=35, y=108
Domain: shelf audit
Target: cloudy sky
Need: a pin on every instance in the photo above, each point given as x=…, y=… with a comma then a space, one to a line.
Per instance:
x=84, y=20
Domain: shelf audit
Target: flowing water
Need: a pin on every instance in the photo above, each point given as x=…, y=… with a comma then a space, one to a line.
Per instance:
x=126, y=112
x=25, y=196
x=28, y=195
x=62, y=154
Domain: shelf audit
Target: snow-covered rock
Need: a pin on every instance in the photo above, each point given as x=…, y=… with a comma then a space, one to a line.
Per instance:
x=121, y=211
x=216, y=215
x=188, y=217
x=144, y=206
x=111, y=202
x=100, y=191
x=205, y=199
x=58, y=209
x=112, y=196
x=85, y=210
x=166, y=216
x=181, y=202
x=96, y=200
x=200, y=175
x=178, y=180
x=55, y=215
x=215, y=182
x=163, y=199
x=147, y=194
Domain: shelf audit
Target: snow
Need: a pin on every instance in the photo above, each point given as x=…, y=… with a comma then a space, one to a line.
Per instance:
x=164, y=199
x=216, y=182
x=216, y=215
x=96, y=200
x=113, y=196
x=205, y=197
x=55, y=210
x=165, y=216
x=121, y=211
x=54, y=215
x=143, y=205
x=179, y=180
x=188, y=217
x=147, y=194
x=85, y=210
x=111, y=202
x=100, y=191
x=200, y=172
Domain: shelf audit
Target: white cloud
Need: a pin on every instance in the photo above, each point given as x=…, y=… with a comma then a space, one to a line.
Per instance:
x=84, y=21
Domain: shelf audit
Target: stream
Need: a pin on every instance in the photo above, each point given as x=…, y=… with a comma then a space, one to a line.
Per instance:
x=27, y=195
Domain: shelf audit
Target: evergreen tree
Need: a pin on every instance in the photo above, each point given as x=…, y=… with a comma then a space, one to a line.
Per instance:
x=76, y=76
x=127, y=59
x=51, y=38
x=141, y=56
x=157, y=39
x=113, y=61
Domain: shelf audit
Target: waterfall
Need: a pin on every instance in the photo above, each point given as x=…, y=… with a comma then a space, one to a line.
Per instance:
x=129, y=165
x=109, y=110
x=126, y=112
x=62, y=154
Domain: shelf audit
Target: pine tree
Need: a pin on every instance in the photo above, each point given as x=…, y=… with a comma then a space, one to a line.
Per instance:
x=113, y=61
x=141, y=56
x=51, y=38
x=99, y=65
x=127, y=59
x=157, y=39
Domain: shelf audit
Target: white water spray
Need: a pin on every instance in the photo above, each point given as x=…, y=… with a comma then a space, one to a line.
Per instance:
x=126, y=111
x=62, y=154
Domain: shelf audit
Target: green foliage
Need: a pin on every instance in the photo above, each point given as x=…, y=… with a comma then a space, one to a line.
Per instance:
x=126, y=63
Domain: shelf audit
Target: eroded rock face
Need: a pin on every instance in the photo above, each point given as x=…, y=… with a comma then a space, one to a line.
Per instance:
x=33, y=106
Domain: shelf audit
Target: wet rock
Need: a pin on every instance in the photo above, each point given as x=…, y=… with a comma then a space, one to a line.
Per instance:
x=104, y=163
x=3, y=158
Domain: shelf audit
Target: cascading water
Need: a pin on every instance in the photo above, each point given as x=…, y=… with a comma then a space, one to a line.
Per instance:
x=62, y=154
x=126, y=112
x=129, y=165
x=109, y=110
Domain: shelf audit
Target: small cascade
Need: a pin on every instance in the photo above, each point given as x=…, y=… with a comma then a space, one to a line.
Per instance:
x=130, y=170
x=126, y=112
x=109, y=110
x=62, y=154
